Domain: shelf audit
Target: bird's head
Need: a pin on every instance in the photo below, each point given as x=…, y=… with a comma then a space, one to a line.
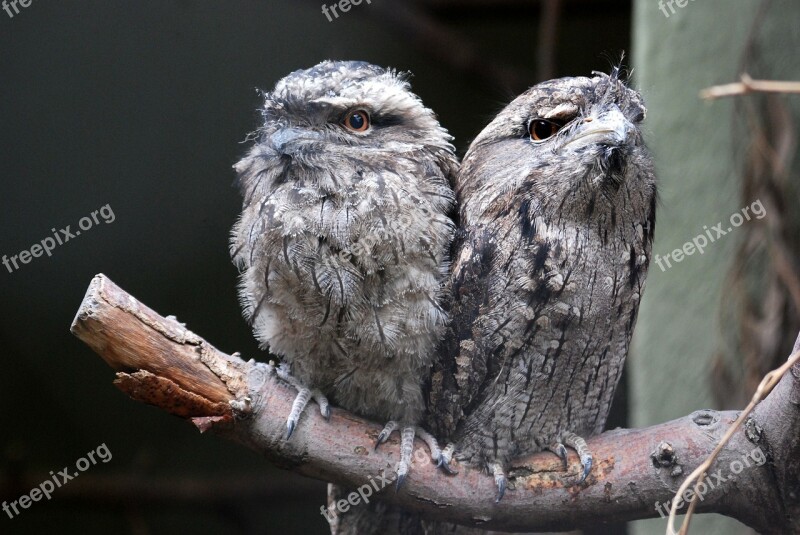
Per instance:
x=348, y=115
x=570, y=147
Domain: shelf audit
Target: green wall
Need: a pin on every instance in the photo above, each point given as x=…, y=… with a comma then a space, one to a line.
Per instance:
x=694, y=144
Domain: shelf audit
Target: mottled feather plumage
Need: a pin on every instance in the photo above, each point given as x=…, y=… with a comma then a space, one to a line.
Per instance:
x=344, y=235
x=549, y=265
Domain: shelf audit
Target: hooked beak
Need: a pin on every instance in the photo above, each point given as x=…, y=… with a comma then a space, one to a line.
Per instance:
x=609, y=128
x=289, y=140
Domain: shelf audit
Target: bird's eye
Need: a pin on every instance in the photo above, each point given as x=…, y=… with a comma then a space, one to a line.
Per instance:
x=357, y=121
x=541, y=129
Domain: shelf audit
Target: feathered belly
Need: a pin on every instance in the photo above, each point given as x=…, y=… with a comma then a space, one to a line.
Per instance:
x=560, y=370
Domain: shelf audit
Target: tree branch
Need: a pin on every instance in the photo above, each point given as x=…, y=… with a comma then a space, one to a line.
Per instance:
x=162, y=363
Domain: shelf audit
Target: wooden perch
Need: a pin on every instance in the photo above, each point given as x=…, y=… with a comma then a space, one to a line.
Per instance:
x=162, y=363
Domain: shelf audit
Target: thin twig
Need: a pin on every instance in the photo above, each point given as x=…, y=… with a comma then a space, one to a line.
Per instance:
x=748, y=86
x=766, y=386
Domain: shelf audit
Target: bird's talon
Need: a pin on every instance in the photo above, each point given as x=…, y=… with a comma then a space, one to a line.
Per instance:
x=587, y=467
x=446, y=458
x=304, y=395
x=561, y=451
x=387, y=431
x=579, y=445
x=500, y=480
x=501, y=489
x=445, y=465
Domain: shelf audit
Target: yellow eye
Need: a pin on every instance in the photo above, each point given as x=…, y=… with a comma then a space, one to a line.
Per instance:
x=541, y=129
x=357, y=121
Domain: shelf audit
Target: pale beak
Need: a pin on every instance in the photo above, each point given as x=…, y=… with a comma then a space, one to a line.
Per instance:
x=611, y=127
x=289, y=140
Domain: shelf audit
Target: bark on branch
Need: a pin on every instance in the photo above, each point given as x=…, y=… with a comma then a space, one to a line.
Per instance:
x=160, y=362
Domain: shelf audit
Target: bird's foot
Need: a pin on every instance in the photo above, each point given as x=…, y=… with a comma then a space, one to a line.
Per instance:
x=560, y=450
x=447, y=457
x=407, y=434
x=406, y=448
x=304, y=395
x=500, y=479
x=442, y=457
x=579, y=445
x=388, y=429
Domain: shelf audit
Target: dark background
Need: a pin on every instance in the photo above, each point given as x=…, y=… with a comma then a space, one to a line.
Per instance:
x=144, y=106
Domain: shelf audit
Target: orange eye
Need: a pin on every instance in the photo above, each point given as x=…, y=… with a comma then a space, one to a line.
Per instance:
x=541, y=129
x=357, y=121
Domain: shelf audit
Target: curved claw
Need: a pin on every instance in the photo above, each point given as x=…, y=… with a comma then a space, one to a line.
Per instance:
x=304, y=395
x=388, y=429
x=444, y=464
x=383, y=437
x=561, y=451
x=501, y=489
x=587, y=467
x=401, y=478
x=500, y=480
x=578, y=444
x=290, y=427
